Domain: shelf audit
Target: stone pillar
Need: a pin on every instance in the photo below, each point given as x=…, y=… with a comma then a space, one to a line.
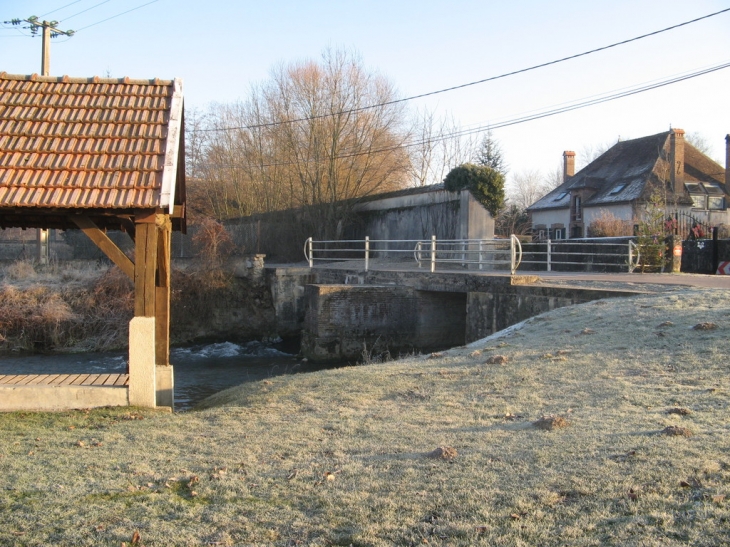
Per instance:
x=674, y=254
x=142, y=369
x=568, y=164
x=165, y=382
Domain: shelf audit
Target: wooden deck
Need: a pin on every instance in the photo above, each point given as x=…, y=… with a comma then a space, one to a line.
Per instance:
x=37, y=380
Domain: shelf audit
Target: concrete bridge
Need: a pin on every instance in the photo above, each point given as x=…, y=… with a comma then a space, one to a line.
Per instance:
x=341, y=309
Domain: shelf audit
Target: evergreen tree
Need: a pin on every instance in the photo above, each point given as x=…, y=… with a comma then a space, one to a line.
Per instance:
x=490, y=154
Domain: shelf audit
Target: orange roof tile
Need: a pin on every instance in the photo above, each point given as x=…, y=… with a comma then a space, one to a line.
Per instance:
x=98, y=143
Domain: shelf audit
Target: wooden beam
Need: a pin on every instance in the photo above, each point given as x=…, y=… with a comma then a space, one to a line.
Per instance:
x=145, y=267
x=107, y=246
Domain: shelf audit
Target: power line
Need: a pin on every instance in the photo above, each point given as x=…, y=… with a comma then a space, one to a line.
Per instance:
x=117, y=15
x=461, y=86
x=59, y=9
x=87, y=9
x=552, y=111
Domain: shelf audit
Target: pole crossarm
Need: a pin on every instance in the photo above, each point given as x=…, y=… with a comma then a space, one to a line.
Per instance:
x=35, y=25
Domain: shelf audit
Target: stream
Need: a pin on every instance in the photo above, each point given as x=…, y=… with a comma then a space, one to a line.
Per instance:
x=200, y=370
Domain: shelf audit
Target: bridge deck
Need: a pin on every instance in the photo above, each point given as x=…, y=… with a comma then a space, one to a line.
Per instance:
x=33, y=380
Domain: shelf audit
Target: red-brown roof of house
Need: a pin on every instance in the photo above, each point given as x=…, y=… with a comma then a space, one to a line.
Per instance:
x=90, y=143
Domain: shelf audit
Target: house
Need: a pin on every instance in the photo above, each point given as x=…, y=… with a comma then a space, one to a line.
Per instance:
x=621, y=181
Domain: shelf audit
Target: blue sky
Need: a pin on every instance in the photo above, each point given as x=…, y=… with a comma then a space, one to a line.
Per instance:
x=221, y=47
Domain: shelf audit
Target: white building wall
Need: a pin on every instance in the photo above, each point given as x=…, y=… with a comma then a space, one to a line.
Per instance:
x=553, y=216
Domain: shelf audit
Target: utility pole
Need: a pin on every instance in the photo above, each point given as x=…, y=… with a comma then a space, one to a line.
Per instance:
x=50, y=30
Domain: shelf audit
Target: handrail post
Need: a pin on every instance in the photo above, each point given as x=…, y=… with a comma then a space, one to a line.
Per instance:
x=481, y=249
x=309, y=252
x=631, y=268
x=367, y=252
x=433, y=253
x=512, y=254
x=515, y=252
x=549, y=256
x=418, y=254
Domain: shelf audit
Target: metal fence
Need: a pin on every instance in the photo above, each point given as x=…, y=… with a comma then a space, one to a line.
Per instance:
x=587, y=255
x=478, y=254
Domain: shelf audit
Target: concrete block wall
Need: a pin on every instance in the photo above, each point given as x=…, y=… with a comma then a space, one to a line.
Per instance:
x=343, y=320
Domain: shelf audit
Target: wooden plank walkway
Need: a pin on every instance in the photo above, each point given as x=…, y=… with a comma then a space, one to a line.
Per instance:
x=35, y=380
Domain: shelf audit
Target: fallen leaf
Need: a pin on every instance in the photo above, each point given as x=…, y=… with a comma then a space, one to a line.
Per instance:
x=497, y=360
x=705, y=326
x=719, y=498
x=514, y=516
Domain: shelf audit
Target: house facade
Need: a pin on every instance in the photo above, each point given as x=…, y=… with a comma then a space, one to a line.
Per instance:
x=621, y=181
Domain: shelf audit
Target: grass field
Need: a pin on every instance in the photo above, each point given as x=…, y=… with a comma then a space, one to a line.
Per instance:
x=600, y=424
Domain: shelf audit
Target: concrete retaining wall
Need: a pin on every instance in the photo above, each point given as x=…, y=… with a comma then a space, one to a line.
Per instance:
x=344, y=321
x=347, y=311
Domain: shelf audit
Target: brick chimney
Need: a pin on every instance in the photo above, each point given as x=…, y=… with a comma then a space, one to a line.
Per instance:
x=676, y=160
x=569, y=164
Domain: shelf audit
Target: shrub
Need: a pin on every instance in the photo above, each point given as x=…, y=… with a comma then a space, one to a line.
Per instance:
x=484, y=183
x=20, y=269
x=607, y=225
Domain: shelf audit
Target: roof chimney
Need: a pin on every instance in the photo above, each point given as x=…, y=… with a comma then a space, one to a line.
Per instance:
x=568, y=164
x=676, y=160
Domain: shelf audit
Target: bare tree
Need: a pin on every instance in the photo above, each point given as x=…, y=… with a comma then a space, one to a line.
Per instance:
x=438, y=148
x=553, y=179
x=525, y=188
x=590, y=152
x=701, y=143
x=308, y=137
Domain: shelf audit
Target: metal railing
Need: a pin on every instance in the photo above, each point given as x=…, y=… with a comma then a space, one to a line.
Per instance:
x=586, y=255
x=483, y=254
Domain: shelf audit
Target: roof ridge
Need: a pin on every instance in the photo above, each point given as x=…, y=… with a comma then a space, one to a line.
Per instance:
x=88, y=80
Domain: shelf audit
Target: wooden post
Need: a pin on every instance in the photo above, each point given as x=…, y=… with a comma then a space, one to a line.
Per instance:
x=164, y=378
x=145, y=264
x=162, y=291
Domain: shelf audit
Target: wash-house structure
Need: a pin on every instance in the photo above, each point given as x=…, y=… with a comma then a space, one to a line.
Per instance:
x=99, y=154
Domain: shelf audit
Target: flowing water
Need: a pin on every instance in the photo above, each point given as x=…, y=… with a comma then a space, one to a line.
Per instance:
x=199, y=370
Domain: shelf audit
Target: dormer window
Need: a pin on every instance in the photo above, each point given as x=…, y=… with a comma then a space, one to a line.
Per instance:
x=706, y=195
x=560, y=196
x=618, y=189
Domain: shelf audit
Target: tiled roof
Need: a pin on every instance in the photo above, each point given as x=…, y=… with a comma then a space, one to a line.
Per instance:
x=620, y=175
x=89, y=143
